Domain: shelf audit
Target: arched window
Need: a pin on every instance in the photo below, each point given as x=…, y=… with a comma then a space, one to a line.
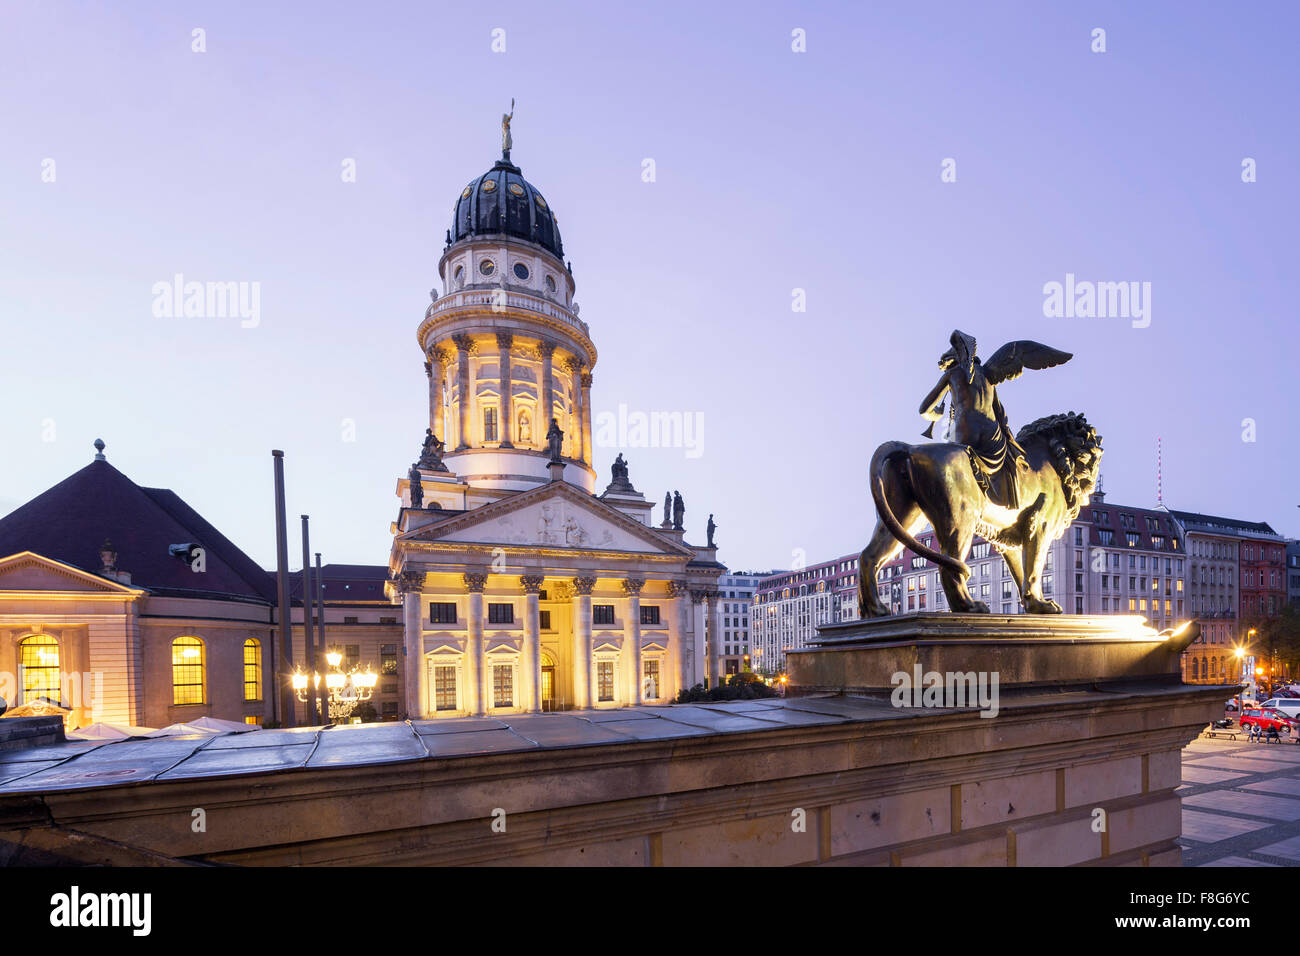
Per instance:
x=40, y=668
x=187, y=670
x=252, y=670
x=1196, y=669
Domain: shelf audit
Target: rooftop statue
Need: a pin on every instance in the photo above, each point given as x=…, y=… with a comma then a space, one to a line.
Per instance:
x=1019, y=494
x=554, y=440
x=506, y=140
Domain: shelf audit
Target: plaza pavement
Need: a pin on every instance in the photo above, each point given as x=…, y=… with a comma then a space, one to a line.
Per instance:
x=1241, y=803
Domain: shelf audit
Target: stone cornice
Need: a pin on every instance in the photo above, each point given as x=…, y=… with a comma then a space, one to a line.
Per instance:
x=822, y=765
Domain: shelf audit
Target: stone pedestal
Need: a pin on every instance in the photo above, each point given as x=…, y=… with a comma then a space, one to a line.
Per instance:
x=1026, y=651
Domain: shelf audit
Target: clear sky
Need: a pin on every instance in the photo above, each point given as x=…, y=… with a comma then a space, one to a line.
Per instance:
x=775, y=170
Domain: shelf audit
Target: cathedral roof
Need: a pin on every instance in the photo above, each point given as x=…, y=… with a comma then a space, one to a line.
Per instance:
x=502, y=201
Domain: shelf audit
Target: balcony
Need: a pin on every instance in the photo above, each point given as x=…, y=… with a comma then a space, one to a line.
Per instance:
x=500, y=299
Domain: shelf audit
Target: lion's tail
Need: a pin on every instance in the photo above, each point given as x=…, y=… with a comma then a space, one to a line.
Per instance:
x=886, y=451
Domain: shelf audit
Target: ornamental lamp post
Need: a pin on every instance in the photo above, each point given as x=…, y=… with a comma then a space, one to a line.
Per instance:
x=345, y=689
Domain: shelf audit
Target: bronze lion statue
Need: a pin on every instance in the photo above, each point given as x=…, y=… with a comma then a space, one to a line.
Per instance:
x=940, y=484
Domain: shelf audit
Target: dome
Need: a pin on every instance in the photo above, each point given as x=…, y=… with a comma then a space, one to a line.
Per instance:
x=502, y=201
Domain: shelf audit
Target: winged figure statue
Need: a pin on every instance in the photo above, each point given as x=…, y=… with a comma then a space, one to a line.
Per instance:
x=1019, y=493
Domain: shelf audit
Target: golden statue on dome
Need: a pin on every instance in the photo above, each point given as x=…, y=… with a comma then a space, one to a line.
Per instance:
x=506, y=141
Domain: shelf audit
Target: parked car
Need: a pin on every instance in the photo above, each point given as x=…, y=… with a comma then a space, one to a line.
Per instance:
x=1287, y=705
x=1233, y=705
x=1266, y=720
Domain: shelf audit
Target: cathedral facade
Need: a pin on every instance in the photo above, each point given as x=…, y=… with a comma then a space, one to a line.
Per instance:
x=524, y=589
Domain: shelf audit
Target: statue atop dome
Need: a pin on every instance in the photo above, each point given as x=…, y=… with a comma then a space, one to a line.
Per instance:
x=506, y=141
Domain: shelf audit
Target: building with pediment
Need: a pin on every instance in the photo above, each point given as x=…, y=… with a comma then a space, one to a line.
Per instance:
x=523, y=589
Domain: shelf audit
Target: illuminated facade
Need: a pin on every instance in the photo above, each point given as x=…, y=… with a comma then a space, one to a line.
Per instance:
x=523, y=590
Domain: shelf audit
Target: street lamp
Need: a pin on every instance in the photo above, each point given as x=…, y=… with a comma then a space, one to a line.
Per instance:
x=346, y=690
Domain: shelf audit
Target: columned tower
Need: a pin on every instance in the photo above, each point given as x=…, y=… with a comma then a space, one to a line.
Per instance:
x=505, y=350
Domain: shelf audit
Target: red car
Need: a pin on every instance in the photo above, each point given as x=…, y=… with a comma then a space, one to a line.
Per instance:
x=1266, y=720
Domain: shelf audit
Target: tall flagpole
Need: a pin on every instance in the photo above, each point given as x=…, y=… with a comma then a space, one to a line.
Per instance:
x=309, y=652
x=285, y=667
x=320, y=617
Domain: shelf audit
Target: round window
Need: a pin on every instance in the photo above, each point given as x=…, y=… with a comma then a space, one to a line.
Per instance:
x=489, y=185
x=521, y=271
x=487, y=267
x=516, y=189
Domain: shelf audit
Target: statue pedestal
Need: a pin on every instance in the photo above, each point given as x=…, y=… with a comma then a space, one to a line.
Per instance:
x=1078, y=763
x=1027, y=651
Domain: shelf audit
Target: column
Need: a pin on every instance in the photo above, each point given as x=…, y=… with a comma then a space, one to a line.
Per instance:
x=504, y=341
x=711, y=635
x=436, y=368
x=685, y=647
x=413, y=678
x=699, y=617
x=532, y=695
x=465, y=403
x=674, y=676
x=586, y=417
x=546, y=401
x=632, y=636
x=582, y=695
x=579, y=413
x=409, y=584
x=474, y=699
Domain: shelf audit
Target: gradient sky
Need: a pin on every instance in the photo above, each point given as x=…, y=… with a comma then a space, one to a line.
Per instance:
x=775, y=170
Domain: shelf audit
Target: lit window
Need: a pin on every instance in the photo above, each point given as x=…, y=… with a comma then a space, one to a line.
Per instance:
x=444, y=688
x=605, y=680
x=187, y=670
x=489, y=424
x=40, y=663
x=650, y=680
x=503, y=685
x=252, y=670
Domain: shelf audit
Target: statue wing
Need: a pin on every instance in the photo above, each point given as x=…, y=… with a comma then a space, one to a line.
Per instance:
x=1012, y=359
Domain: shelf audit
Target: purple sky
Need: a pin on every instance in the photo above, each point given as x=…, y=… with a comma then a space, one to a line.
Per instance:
x=775, y=170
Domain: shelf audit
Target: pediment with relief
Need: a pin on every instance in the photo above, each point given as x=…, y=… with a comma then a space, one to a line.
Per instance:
x=552, y=518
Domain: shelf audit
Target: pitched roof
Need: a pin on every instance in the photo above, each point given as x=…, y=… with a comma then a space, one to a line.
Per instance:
x=70, y=521
x=1213, y=522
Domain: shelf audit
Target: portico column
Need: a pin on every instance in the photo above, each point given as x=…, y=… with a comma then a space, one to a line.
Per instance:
x=582, y=585
x=413, y=678
x=504, y=341
x=409, y=583
x=586, y=417
x=435, y=368
x=547, y=402
x=632, y=635
x=711, y=635
x=474, y=583
x=699, y=616
x=675, y=678
x=464, y=404
x=532, y=696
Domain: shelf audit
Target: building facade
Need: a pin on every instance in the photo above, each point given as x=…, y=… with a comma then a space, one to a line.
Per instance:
x=1237, y=579
x=735, y=598
x=522, y=588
